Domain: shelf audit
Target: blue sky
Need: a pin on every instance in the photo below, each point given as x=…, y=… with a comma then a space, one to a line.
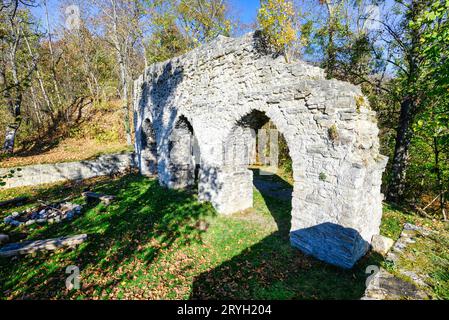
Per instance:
x=53, y=12
x=246, y=10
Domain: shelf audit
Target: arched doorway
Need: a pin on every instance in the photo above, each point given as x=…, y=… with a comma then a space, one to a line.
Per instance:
x=148, y=146
x=181, y=166
x=255, y=145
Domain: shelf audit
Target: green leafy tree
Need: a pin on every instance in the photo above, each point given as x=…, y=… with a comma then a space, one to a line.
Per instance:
x=334, y=28
x=333, y=34
x=203, y=20
x=16, y=65
x=432, y=133
x=167, y=38
x=276, y=20
x=415, y=85
x=180, y=25
x=431, y=128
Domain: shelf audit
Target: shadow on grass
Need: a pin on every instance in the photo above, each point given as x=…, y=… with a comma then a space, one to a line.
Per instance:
x=145, y=223
x=272, y=269
x=144, y=220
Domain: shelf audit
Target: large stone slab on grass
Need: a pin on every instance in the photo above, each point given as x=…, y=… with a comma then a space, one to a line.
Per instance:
x=28, y=247
x=331, y=243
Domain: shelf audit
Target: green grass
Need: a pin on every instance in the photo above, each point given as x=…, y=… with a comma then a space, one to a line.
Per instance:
x=428, y=256
x=149, y=244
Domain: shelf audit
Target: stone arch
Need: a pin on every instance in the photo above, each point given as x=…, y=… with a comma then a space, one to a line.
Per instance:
x=330, y=130
x=246, y=140
x=320, y=182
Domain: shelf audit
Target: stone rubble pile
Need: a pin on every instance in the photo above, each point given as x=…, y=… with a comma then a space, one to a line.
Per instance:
x=45, y=214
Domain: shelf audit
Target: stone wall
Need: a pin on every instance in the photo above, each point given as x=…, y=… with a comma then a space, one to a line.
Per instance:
x=330, y=130
x=50, y=173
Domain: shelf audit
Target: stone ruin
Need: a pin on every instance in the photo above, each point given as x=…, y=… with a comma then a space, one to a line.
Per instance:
x=53, y=213
x=216, y=96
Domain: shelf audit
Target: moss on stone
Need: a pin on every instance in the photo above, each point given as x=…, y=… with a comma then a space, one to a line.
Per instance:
x=323, y=176
x=360, y=102
x=333, y=133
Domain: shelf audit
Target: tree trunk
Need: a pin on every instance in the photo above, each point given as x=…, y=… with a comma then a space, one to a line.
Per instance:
x=436, y=152
x=48, y=102
x=126, y=114
x=15, y=101
x=121, y=57
x=331, y=58
x=440, y=185
x=12, y=128
x=401, y=151
x=443, y=206
x=409, y=109
x=52, y=58
x=10, y=137
x=331, y=55
x=125, y=96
